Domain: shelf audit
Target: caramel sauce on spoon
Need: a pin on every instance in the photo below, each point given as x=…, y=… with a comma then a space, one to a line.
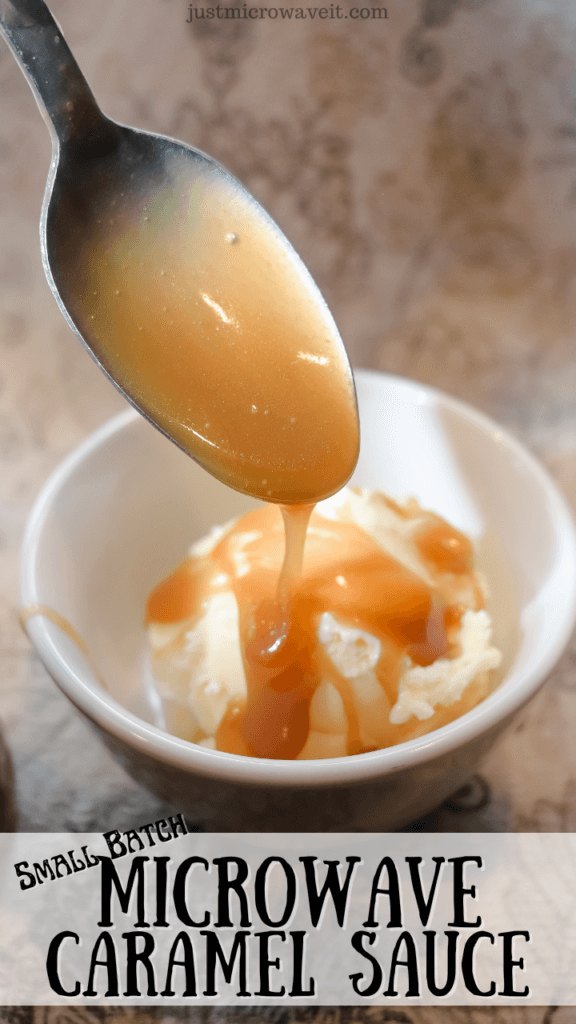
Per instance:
x=206, y=316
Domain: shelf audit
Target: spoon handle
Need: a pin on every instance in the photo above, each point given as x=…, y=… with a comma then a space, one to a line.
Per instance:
x=61, y=91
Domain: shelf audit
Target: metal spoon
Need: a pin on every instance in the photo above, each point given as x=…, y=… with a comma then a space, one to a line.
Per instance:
x=98, y=166
x=104, y=174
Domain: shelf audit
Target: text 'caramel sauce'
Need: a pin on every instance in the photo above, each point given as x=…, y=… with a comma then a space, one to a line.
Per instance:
x=344, y=571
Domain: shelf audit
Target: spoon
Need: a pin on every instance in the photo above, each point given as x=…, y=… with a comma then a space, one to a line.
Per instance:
x=184, y=290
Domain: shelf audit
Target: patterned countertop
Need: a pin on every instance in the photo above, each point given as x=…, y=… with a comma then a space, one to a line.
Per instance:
x=301, y=1015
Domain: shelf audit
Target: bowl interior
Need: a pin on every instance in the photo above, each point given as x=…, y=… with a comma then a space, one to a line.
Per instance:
x=121, y=512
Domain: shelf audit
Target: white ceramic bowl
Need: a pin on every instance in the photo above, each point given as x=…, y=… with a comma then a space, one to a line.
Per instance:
x=123, y=508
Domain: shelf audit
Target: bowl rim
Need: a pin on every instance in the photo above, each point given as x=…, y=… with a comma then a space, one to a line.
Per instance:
x=106, y=713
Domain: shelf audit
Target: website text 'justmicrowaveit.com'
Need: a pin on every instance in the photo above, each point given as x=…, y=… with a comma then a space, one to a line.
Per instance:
x=332, y=12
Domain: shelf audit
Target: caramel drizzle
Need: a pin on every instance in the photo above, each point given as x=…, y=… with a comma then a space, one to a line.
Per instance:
x=48, y=613
x=280, y=604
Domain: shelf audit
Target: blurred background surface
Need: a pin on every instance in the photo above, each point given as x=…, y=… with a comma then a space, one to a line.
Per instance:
x=290, y=1015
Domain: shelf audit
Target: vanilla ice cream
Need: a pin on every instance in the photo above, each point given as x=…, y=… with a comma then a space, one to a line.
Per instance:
x=370, y=683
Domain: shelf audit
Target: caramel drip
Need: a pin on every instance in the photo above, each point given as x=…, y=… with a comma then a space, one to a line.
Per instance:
x=345, y=572
x=296, y=519
x=42, y=609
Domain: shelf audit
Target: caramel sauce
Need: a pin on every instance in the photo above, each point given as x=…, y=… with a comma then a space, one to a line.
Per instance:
x=446, y=549
x=344, y=571
x=42, y=609
x=48, y=613
x=200, y=308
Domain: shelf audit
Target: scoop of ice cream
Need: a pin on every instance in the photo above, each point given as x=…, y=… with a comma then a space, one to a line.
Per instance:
x=199, y=669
